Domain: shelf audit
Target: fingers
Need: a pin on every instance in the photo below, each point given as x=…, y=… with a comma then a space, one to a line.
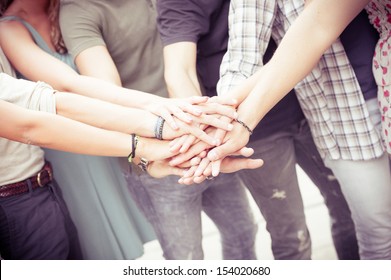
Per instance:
x=178, y=113
x=191, y=109
x=176, y=144
x=198, y=133
x=245, y=151
x=222, y=151
x=223, y=100
x=216, y=108
x=197, y=99
x=172, y=170
x=230, y=165
x=192, y=180
x=195, y=150
x=201, y=167
x=213, y=120
x=215, y=167
x=166, y=115
x=187, y=144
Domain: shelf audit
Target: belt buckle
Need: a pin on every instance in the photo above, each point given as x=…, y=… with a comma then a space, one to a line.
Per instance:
x=40, y=174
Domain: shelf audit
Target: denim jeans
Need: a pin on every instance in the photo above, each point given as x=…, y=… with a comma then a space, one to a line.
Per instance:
x=174, y=211
x=276, y=191
x=367, y=188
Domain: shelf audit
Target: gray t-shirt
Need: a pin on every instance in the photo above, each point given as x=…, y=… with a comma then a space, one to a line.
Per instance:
x=128, y=30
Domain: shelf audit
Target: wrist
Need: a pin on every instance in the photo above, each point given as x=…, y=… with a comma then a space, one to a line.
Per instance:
x=247, y=116
x=158, y=129
x=134, y=144
x=242, y=123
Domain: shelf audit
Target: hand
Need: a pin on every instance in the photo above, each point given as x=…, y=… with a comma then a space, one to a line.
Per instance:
x=194, y=151
x=233, y=141
x=195, y=130
x=227, y=165
x=222, y=106
x=161, y=168
x=201, y=166
x=183, y=143
x=167, y=108
x=153, y=149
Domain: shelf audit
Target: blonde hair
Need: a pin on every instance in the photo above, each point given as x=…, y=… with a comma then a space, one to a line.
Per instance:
x=53, y=14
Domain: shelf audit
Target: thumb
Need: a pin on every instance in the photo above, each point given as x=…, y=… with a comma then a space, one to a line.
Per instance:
x=230, y=165
x=177, y=171
x=221, y=151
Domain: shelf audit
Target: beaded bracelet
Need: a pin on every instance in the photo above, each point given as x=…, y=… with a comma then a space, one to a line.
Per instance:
x=159, y=128
x=132, y=154
x=244, y=125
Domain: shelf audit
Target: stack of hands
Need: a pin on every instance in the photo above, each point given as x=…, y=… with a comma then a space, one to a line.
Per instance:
x=201, y=137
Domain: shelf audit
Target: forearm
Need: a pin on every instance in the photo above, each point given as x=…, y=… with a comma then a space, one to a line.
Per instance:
x=105, y=115
x=243, y=90
x=180, y=69
x=56, y=132
x=106, y=91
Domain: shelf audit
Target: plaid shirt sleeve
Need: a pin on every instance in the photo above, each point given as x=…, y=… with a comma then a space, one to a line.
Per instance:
x=250, y=27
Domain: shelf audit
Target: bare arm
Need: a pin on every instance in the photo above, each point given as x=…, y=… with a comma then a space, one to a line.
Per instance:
x=180, y=69
x=35, y=64
x=119, y=118
x=102, y=68
x=56, y=132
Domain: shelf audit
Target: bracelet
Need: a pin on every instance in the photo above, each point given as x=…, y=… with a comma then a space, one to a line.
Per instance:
x=245, y=126
x=143, y=164
x=159, y=128
x=132, y=154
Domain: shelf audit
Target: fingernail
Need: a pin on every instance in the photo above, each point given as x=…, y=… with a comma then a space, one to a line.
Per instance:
x=215, y=173
x=230, y=126
x=217, y=142
x=174, y=126
x=235, y=101
x=236, y=115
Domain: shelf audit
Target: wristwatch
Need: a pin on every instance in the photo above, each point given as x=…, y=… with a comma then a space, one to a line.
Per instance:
x=143, y=164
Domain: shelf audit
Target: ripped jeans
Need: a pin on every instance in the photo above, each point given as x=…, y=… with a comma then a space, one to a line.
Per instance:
x=276, y=191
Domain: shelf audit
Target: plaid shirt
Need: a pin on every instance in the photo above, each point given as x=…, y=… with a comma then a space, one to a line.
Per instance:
x=330, y=95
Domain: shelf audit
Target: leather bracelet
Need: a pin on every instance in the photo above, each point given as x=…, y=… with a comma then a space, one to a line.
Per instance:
x=132, y=154
x=159, y=128
x=245, y=126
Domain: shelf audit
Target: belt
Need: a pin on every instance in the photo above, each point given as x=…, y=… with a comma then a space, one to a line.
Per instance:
x=44, y=177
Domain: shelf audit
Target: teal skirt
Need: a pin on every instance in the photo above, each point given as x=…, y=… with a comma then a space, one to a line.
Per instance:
x=109, y=224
